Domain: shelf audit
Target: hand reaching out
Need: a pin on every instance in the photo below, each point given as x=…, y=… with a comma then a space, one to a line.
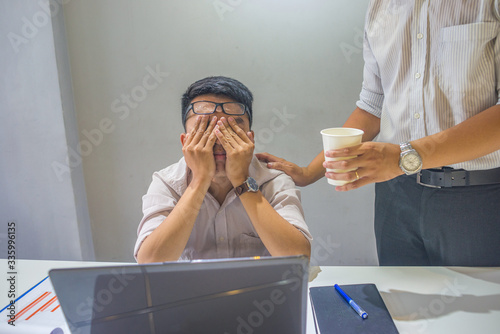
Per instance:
x=297, y=173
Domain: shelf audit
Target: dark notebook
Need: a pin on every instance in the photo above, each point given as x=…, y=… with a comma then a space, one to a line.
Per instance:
x=332, y=314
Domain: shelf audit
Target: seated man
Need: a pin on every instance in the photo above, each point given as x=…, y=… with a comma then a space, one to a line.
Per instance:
x=219, y=201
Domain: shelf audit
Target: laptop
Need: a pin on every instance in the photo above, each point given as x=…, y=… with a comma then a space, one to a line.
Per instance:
x=226, y=296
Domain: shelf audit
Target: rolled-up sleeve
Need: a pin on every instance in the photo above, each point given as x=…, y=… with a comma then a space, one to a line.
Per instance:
x=371, y=97
x=157, y=204
x=496, y=11
x=497, y=66
x=284, y=197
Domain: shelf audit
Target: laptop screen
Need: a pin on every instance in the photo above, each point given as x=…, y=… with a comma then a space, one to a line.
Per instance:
x=226, y=296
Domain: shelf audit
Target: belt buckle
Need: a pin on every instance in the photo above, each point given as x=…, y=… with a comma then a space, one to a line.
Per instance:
x=419, y=181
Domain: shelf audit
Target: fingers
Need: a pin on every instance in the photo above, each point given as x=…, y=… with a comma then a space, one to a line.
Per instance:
x=224, y=138
x=239, y=131
x=355, y=184
x=211, y=138
x=350, y=176
x=273, y=162
x=208, y=133
x=348, y=158
x=348, y=164
x=250, y=136
x=266, y=157
x=371, y=162
x=345, y=152
x=202, y=131
x=190, y=136
x=354, y=178
x=282, y=166
x=227, y=136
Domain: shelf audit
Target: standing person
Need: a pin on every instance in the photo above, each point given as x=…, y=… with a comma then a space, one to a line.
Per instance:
x=219, y=201
x=431, y=93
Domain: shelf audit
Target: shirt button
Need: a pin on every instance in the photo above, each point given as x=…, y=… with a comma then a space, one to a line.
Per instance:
x=420, y=35
x=221, y=239
x=417, y=75
x=416, y=115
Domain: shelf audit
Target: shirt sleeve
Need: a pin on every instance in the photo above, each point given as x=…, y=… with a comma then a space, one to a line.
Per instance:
x=157, y=204
x=371, y=97
x=284, y=197
x=497, y=52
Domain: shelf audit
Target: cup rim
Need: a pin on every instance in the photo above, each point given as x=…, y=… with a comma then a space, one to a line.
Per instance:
x=358, y=132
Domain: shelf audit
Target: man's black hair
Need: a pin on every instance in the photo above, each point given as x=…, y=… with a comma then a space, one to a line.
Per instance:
x=218, y=85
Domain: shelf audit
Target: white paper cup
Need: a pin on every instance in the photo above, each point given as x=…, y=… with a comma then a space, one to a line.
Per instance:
x=335, y=138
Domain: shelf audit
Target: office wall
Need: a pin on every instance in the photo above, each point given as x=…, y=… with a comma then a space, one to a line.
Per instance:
x=132, y=60
x=46, y=210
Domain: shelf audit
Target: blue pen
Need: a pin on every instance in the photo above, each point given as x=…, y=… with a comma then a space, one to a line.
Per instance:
x=351, y=302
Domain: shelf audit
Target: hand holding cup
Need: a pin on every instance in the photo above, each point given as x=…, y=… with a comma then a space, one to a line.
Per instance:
x=337, y=138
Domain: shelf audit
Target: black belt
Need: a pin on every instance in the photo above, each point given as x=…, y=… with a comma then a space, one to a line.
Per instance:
x=448, y=177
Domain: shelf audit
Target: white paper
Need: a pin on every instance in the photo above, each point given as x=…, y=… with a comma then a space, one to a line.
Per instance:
x=36, y=312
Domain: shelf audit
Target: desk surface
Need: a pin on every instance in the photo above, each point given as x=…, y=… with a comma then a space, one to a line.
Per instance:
x=420, y=299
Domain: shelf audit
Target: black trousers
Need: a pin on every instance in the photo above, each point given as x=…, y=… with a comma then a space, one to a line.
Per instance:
x=422, y=226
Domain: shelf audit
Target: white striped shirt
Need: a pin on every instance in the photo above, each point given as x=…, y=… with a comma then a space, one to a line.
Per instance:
x=220, y=231
x=429, y=65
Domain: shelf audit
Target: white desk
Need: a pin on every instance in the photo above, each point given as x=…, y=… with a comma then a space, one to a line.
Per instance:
x=421, y=300
x=429, y=299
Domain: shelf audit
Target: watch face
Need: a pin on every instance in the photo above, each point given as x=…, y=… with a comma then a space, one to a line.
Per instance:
x=411, y=162
x=252, y=184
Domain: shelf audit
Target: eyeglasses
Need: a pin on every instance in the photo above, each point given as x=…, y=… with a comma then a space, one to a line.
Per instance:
x=208, y=107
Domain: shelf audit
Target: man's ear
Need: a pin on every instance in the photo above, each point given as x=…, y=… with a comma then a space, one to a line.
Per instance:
x=251, y=135
x=183, y=138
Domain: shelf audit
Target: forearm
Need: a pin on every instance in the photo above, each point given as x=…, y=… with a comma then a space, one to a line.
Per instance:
x=278, y=235
x=363, y=120
x=359, y=119
x=471, y=139
x=168, y=240
x=315, y=169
